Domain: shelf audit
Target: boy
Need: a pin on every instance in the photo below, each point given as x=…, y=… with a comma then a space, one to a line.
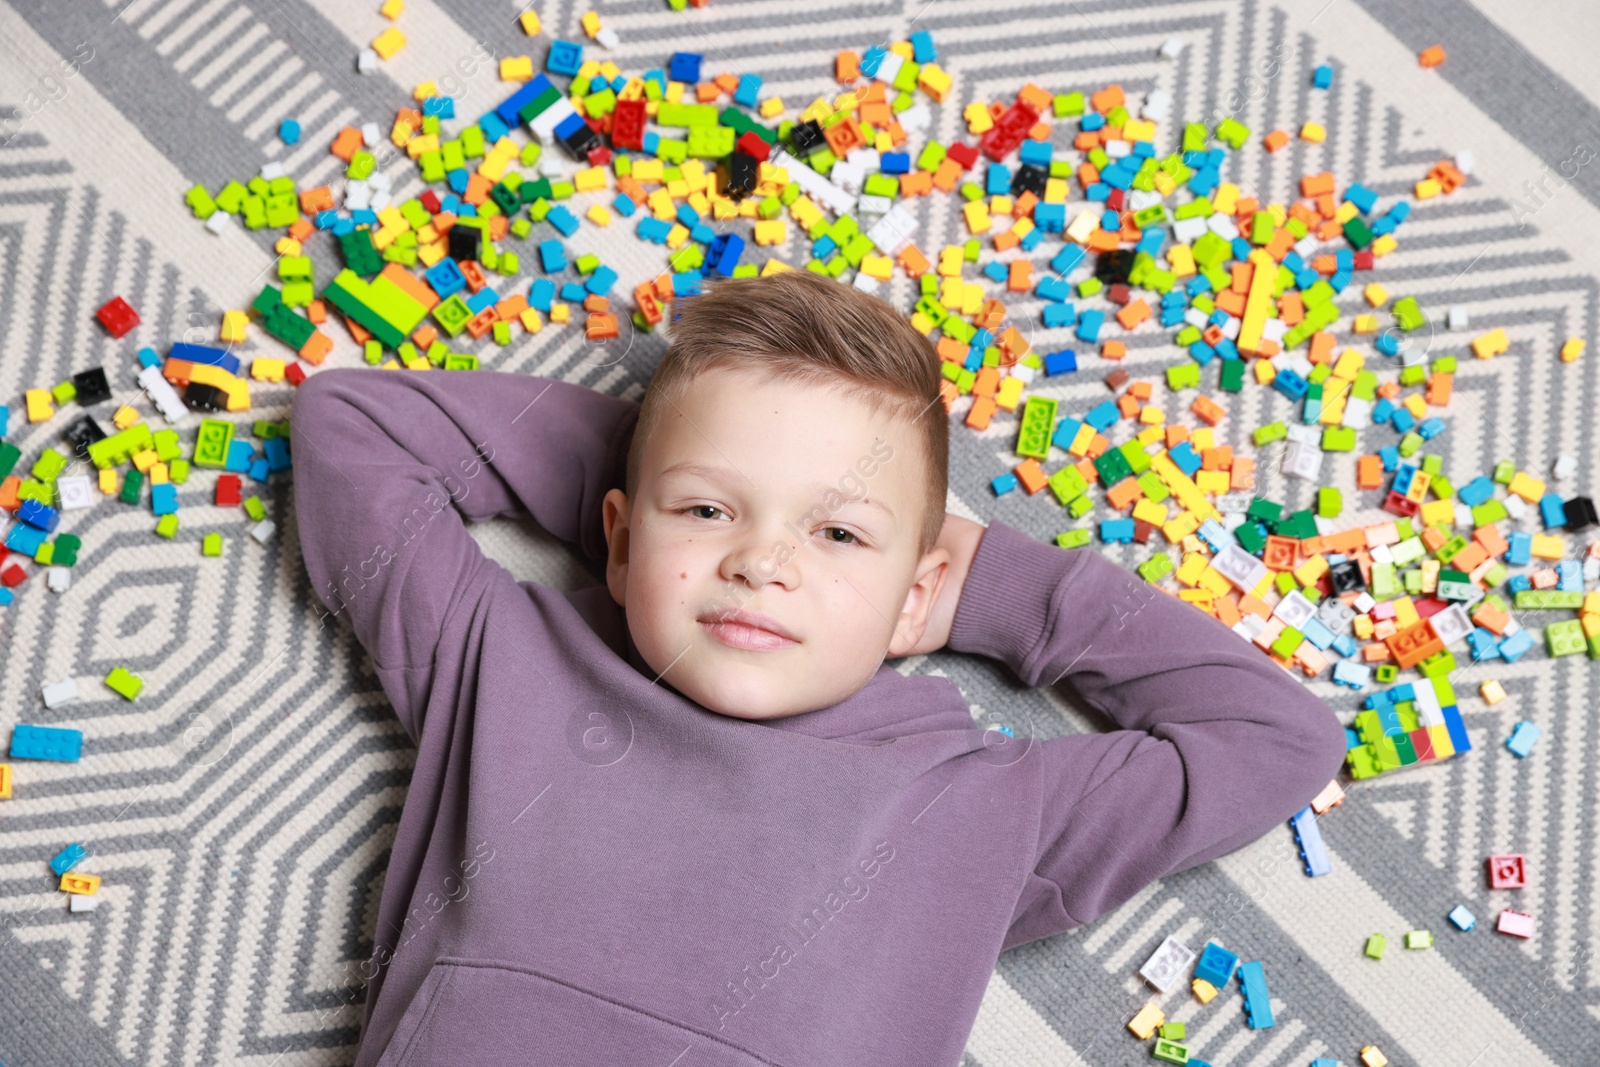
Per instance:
x=691, y=816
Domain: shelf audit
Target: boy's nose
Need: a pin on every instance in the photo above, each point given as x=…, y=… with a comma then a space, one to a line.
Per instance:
x=763, y=557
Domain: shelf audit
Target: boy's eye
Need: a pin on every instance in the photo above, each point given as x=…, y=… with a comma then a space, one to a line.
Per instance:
x=839, y=530
x=701, y=507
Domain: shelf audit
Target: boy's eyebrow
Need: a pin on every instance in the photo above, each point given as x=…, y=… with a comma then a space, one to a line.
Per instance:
x=718, y=474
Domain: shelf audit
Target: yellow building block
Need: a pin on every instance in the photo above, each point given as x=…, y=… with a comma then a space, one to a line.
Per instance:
x=978, y=118
x=560, y=313
x=1371, y=1057
x=1151, y=512
x=590, y=22
x=5, y=781
x=1149, y=1019
x=598, y=214
x=1548, y=546
x=1526, y=486
x=40, y=405
x=1572, y=349
x=1313, y=132
x=977, y=217
x=108, y=482
x=263, y=369
x=879, y=267
x=1427, y=189
x=1364, y=324
x=516, y=69
x=80, y=883
x=529, y=21
x=158, y=474
x=933, y=81
x=530, y=320
x=1384, y=245
x=1376, y=294
x=776, y=232
x=234, y=326
x=771, y=107
x=1010, y=393
x=1204, y=991
x=1490, y=344
x=391, y=9
x=387, y=43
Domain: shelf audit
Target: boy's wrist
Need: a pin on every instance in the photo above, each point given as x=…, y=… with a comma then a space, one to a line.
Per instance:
x=1005, y=606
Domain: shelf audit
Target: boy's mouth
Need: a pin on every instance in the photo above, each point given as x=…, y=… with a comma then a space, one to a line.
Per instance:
x=747, y=630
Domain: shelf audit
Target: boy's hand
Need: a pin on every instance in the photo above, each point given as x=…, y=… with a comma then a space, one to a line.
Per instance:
x=960, y=537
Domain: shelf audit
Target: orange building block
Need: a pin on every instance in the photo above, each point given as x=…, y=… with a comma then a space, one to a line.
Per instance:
x=1432, y=56
x=1369, y=472
x=983, y=409
x=1031, y=476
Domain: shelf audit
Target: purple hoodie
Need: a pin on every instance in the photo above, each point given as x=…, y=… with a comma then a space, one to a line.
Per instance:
x=591, y=868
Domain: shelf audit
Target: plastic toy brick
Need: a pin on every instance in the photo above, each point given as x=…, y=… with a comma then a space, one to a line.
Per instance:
x=1416, y=939
x=68, y=858
x=1376, y=945
x=1462, y=919
x=46, y=742
x=1257, y=1005
x=124, y=683
x=1515, y=923
x=117, y=316
x=1170, y=1052
x=1522, y=739
x=1371, y=1057
x=86, y=884
x=1149, y=1019
x=1166, y=966
x=1508, y=872
x=1216, y=964
x=1308, y=837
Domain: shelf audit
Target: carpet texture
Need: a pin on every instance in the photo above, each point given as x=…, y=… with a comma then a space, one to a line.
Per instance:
x=240, y=812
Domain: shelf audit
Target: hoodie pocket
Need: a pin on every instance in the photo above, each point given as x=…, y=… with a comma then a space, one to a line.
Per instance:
x=492, y=1014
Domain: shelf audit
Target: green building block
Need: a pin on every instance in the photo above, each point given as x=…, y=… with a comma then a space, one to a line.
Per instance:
x=1080, y=506
x=1386, y=672
x=1170, y=1051
x=124, y=683
x=1073, y=538
x=1330, y=502
x=167, y=526
x=66, y=550
x=1419, y=939
x=1564, y=638
x=211, y=444
x=1173, y=1031
x=1183, y=376
x=1272, y=431
x=1376, y=944
x=1156, y=568
x=1068, y=484
x=1407, y=314
x=254, y=508
x=1038, y=420
x=211, y=545
x=132, y=482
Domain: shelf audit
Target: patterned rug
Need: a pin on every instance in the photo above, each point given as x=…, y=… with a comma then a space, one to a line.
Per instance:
x=241, y=810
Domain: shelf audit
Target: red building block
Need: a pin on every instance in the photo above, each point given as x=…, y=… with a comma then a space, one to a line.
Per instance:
x=627, y=124
x=117, y=316
x=751, y=143
x=227, y=491
x=1508, y=872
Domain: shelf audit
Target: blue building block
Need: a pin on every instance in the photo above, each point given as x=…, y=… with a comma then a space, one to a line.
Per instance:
x=1184, y=455
x=1102, y=415
x=1003, y=484
x=25, y=539
x=1462, y=918
x=1522, y=738
x=570, y=291
x=445, y=278
x=1257, y=1005
x=552, y=256
x=1551, y=511
x=1062, y=362
x=442, y=106
x=39, y=516
x=1059, y=315
x=541, y=294
x=240, y=456
x=1455, y=728
x=684, y=67
x=1476, y=491
x=686, y=283
x=563, y=220
x=68, y=858
x=1354, y=675
x=1216, y=964
x=289, y=131
x=163, y=499
x=1520, y=550
x=1065, y=431
x=277, y=450
x=601, y=281
x=46, y=742
x=749, y=89
x=1117, y=531
x=215, y=357
x=1483, y=644
x=1308, y=836
x=565, y=58
x=1089, y=324
x=488, y=298
x=922, y=48
x=1322, y=78
x=259, y=470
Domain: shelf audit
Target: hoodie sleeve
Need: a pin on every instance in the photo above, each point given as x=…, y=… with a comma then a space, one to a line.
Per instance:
x=390, y=465
x=1215, y=744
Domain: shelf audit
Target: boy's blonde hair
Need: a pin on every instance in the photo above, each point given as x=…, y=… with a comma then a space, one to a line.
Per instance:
x=804, y=327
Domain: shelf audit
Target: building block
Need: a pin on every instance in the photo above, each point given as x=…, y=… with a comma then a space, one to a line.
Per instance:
x=1377, y=944
x=46, y=742
x=117, y=316
x=1216, y=964
x=1253, y=986
x=125, y=683
x=68, y=858
x=1308, y=836
x=1149, y=1019
x=1508, y=872
x=1522, y=738
x=1462, y=918
x=1515, y=923
x=1164, y=969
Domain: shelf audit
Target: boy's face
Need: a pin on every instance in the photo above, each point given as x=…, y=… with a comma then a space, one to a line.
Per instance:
x=744, y=504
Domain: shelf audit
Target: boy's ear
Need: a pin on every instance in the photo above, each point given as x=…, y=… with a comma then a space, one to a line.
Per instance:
x=614, y=511
x=920, y=598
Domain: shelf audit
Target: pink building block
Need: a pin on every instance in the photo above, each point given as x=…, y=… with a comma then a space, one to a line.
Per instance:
x=1515, y=923
x=1508, y=872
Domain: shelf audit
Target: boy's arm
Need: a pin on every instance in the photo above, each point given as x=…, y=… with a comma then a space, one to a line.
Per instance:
x=1216, y=743
x=380, y=458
